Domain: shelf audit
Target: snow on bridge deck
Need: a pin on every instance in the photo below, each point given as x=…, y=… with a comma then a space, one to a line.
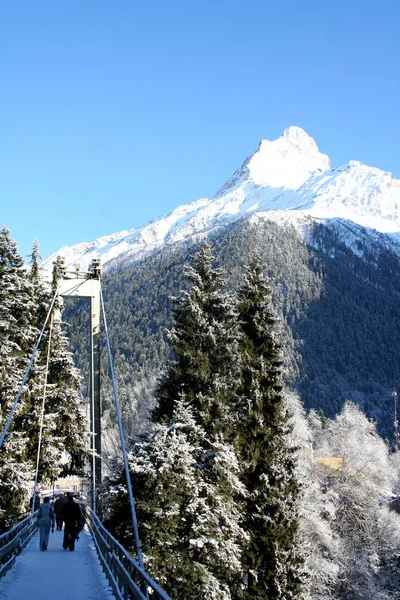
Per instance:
x=57, y=574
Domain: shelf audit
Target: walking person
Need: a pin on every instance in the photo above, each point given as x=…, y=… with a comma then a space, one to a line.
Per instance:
x=71, y=515
x=58, y=504
x=37, y=502
x=45, y=520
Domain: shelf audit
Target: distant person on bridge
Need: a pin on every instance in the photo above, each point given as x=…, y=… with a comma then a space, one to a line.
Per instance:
x=45, y=519
x=58, y=505
x=37, y=502
x=71, y=515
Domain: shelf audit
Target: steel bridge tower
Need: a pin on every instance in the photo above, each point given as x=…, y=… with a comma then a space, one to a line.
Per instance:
x=86, y=284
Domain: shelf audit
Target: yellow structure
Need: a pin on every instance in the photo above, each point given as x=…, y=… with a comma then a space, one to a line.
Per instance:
x=335, y=464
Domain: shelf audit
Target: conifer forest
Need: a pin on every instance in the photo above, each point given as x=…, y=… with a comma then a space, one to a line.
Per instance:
x=255, y=374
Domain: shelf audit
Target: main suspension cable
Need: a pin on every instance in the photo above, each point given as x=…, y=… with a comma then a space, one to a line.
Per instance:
x=42, y=415
x=122, y=438
x=3, y=435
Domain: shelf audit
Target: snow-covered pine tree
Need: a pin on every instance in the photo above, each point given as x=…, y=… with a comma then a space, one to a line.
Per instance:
x=17, y=339
x=185, y=474
x=24, y=304
x=272, y=559
x=189, y=525
x=30, y=418
x=205, y=340
x=65, y=429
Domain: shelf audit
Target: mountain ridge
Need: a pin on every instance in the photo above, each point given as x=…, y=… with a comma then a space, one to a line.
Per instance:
x=285, y=177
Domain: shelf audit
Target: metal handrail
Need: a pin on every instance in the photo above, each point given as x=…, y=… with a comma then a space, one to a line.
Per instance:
x=13, y=541
x=127, y=579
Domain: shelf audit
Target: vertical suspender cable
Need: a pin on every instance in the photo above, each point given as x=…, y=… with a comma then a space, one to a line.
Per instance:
x=42, y=415
x=3, y=435
x=93, y=433
x=128, y=476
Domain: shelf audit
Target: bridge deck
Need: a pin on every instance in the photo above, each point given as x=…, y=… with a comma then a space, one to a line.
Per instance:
x=56, y=573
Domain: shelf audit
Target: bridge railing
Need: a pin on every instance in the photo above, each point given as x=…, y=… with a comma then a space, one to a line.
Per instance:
x=127, y=579
x=13, y=541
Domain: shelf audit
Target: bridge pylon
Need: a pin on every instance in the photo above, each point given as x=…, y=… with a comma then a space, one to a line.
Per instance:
x=86, y=284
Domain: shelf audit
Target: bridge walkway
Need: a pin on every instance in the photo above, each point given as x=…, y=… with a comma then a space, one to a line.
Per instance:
x=57, y=574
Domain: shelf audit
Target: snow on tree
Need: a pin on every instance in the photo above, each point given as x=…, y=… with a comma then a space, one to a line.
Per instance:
x=272, y=560
x=67, y=426
x=17, y=339
x=185, y=474
x=64, y=440
x=24, y=304
x=369, y=534
x=65, y=432
x=319, y=542
x=190, y=529
x=205, y=341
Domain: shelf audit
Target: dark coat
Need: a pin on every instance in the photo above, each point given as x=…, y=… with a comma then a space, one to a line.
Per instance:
x=58, y=505
x=37, y=502
x=70, y=512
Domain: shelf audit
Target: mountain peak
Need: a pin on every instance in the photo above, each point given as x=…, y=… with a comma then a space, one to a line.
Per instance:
x=285, y=179
x=283, y=163
x=297, y=136
x=288, y=161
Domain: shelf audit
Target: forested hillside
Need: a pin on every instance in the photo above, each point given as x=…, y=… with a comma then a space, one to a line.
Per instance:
x=237, y=493
x=340, y=313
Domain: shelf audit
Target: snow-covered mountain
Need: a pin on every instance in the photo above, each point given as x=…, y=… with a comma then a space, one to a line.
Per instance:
x=287, y=179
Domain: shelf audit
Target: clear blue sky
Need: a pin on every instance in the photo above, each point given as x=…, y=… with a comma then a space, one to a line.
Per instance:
x=114, y=113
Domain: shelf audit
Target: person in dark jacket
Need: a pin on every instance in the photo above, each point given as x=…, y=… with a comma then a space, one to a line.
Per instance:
x=37, y=502
x=71, y=515
x=58, y=504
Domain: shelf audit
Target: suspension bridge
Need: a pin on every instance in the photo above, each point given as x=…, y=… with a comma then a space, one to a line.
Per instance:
x=99, y=568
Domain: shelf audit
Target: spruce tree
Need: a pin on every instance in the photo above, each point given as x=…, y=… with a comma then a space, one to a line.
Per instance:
x=66, y=424
x=205, y=341
x=272, y=560
x=64, y=440
x=185, y=474
x=189, y=525
x=24, y=304
x=17, y=339
x=70, y=422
